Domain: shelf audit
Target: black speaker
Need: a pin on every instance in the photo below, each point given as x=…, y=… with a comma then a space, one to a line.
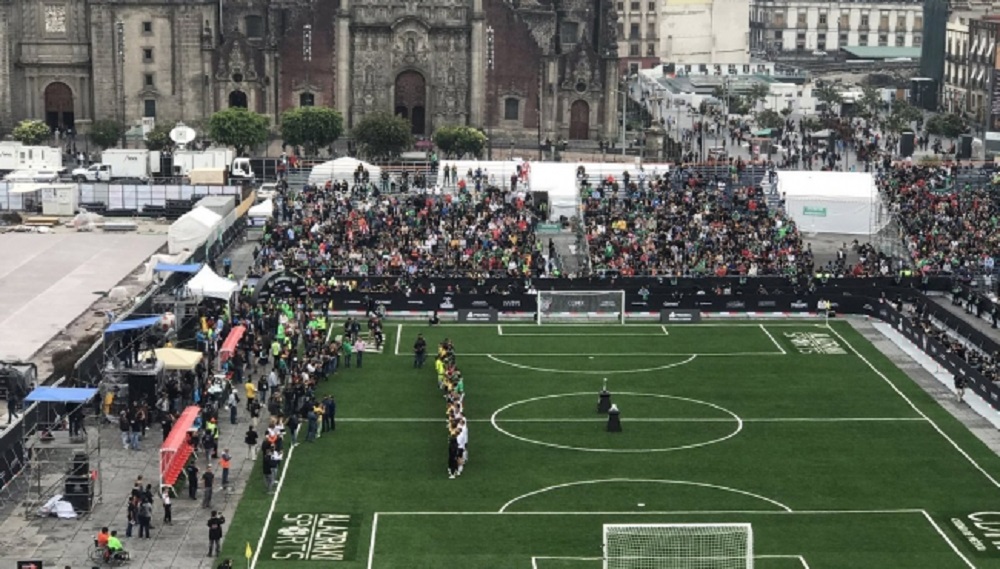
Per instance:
x=79, y=493
x=142, y=387
x=906, y=142
x=965, y=147
x=81, y=465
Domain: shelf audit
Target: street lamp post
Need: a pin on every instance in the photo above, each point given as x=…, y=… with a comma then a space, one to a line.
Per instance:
x=489, y=70
x=120, y=32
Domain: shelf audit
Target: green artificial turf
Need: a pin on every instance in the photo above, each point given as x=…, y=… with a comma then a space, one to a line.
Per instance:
x=722, y=424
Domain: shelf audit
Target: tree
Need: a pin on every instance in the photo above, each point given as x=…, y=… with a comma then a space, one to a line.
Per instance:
x=757, y=93
x=902, y=117
x=32, y=132
x=311, y=127
x=870, y=102
x=460, y=140
x=950, y=125
x=106, y=133
x=829, y=96
x=159, y=138
x=769, y=118
x=238, y=127
x=383, y=135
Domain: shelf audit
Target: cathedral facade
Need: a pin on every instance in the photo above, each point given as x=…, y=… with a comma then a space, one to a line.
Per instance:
x=521, y=68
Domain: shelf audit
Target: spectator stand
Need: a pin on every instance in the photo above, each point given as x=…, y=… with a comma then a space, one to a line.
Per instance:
x=176, y=449
x=62, y=456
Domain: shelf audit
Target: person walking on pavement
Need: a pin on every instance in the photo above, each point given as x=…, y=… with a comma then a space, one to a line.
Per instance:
x=215, y=532
x=225, y=460
x=192, y=479
x=167, y=514
x=208, y=478
x=145, y=518
x=251, y=441
x=234, y=404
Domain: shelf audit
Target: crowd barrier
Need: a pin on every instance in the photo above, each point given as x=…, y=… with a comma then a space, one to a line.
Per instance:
x=120, y=196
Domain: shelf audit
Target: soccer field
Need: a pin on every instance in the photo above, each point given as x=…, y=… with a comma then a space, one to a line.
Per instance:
x=803, y=430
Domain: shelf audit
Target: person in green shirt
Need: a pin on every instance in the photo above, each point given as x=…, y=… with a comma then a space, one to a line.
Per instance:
x=115, y=548
x=348, y=351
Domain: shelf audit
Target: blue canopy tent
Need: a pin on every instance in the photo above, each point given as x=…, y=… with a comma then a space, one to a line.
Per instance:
x=61, y=394
x=137, y=324
x=167, y=268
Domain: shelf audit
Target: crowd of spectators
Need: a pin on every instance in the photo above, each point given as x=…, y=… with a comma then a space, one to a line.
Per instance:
x=480, y=231
x=947, y=229
x=643, y=227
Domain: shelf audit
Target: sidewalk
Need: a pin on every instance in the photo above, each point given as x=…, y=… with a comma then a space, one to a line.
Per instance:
x=184, y=544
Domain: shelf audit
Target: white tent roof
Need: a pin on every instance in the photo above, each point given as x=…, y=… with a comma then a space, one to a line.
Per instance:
x=263, y=209
x=831, y=186
x=341, y=169
x=207, y=283
x=192, y=229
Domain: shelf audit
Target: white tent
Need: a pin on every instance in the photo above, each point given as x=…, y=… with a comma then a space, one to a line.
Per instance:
x=263, y=210
x=208, y=284
x=832, y=202
x=342, y=169
x=192, y=229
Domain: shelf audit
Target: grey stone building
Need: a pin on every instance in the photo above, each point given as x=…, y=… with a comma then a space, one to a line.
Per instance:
x=553, y=74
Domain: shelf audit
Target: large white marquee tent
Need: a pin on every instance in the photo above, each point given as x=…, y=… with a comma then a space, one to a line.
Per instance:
x=342, y=169
x=192, y=229
x=832, y=202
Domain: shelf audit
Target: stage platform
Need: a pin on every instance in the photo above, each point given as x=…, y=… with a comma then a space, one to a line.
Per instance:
x=48, y=280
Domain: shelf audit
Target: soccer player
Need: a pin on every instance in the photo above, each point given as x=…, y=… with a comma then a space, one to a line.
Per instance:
x=452, y=455
x=463, y=444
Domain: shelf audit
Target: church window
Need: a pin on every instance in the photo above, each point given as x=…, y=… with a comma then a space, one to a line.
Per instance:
x=569, y=33
x=511, y=109
x=255, y=27
x=147, y=27
x=147, y=80
x=147, y=55
x=149, y=108
x=307, y=100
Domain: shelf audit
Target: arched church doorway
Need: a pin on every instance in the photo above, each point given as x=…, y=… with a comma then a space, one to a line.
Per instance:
x=238, y=99
x=579, y=120
x=59, y=106
x=411, y=99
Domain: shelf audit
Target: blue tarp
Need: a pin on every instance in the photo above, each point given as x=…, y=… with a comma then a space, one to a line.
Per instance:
x=136, y=324
x=165, y=268
x=62, y=394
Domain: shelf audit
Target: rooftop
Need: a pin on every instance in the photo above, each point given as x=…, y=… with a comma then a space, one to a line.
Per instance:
x=882, y=52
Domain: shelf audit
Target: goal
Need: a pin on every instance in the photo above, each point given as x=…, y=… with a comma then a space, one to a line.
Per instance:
x=581, y=305
x=678, y=546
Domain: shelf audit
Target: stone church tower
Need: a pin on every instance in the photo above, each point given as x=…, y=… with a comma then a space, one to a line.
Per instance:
x=70, y=62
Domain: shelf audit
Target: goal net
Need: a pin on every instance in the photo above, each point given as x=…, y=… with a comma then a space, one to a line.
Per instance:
x=678, y=546
x=581, y=305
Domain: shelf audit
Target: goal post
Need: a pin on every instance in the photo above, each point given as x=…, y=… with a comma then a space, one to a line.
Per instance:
x=580, y=305
x=678, y=546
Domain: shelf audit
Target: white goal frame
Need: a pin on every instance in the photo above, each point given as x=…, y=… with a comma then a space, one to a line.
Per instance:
x=747, y=529
x=582, y=316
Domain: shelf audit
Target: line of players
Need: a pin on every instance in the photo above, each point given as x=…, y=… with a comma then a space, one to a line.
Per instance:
x=451, y=383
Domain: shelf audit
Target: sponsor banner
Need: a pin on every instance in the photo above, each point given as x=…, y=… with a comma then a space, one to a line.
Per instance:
x=430, y=302
x=478, y=315
x=329, y=538
x=680, y=316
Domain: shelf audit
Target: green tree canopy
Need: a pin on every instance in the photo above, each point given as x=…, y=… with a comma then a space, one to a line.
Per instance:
x=32, y=132
x=757, y=93
x=902, y=117
x=870, y=102
x=106, y=133
x=769, y=118
x=460, y=140
x=311, y=127
x=829, y=95
x=238, y=127
x=950, y=125
x=382, y=135
x=159, y=138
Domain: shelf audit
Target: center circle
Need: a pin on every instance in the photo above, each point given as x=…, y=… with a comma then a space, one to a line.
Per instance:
x=709, y=414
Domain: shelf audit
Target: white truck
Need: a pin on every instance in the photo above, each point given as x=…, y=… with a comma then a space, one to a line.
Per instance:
x=119, y=163
x=212, y=158
x=16, y=156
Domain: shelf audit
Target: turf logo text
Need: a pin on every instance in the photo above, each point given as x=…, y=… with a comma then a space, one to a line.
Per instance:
x=814, y=343
x=982, y=529
x=312, y=537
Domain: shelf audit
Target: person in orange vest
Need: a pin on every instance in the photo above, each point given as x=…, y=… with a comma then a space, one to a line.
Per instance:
x=224, y=461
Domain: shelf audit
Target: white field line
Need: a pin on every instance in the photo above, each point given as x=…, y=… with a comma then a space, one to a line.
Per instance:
x=596, y=334
x=499, y=329
x=773, y=340
x=947, y=540
x=536, y=559
x=917, y=511
x=916, y=409
x=399, y=336
x=818, y=323
x=270, y=509
x=443, y=420
x=371, y=544
x=800, y=559
x=664, y=328
x=613, y=355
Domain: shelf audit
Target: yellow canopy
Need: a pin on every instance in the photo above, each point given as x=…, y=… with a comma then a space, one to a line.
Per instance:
x=177, y=359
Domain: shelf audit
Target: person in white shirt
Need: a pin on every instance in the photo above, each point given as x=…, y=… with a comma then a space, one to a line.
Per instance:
x=463, y=444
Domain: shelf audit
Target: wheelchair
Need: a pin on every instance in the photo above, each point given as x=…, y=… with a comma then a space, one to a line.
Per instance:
x=100, y=554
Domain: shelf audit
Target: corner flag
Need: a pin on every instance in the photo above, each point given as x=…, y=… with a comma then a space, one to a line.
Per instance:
x=249, y=552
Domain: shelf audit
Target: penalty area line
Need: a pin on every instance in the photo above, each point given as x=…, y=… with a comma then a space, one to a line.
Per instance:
x=644, y=420
x=399, y=337
x=773, y=340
